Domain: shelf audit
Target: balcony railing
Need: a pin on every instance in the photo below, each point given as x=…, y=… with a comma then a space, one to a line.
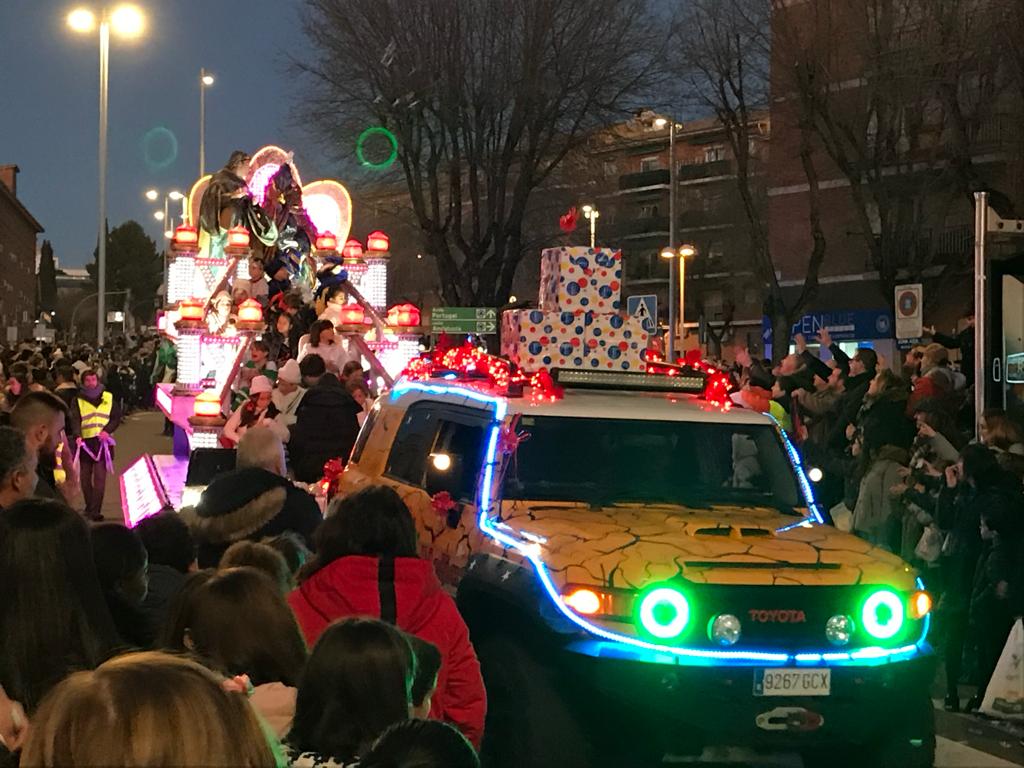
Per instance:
x=644, y=179
x=705, y=170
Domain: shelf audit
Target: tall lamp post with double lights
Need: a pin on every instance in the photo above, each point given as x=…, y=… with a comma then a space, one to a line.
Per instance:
x=683, y=252
x=205, y=81
x=126, y=21
x=165, y=215
x=591, y=214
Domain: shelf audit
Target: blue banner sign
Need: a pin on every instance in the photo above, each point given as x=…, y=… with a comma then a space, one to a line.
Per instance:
x=844, y=325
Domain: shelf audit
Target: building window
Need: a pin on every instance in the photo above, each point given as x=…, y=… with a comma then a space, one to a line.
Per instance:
x=648, y=211
x=714, y=154
x=610, y=168
x=650, y=164
x=715, y=253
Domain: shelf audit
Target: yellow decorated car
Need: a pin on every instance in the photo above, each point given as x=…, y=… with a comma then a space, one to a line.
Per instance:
x=646, y=573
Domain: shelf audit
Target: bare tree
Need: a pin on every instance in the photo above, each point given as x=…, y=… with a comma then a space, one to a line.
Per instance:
x=485, y=99
x=898, y=93
x=727, y=61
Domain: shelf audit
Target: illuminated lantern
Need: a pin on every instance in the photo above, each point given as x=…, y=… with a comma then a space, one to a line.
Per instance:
x=353, y=249
x=192, y=310
x=326, y=242
x=186, y=238
x=378, y=241
x=250, y=311
x=404, y=315
x=352, y=314
x=238, y=239
x=206, y=406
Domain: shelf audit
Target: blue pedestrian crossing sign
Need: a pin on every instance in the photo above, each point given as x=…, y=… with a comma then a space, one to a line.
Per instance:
x=645, y=309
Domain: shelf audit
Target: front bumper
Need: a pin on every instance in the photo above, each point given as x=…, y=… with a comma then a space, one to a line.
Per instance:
x=684, y=708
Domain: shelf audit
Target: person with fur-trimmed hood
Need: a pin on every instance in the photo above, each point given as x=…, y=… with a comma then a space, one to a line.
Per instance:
x=251, y=502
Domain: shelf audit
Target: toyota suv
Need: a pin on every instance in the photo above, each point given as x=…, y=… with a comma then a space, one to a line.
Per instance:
x=645, y=573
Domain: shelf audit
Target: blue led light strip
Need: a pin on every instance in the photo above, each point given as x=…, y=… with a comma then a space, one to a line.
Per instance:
x=805, y=484
x=530, y=550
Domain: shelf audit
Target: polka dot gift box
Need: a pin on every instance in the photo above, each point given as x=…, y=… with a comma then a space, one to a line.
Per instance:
x=580, y=279
x=614, y=343
x=535, y=340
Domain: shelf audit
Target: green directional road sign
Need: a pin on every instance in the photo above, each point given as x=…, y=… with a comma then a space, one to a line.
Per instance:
x=464, y=320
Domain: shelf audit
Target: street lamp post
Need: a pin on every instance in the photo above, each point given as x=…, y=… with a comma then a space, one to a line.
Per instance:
x=661, y=122
x=591, y=214
x=127, y=21
x=205, y=81
x=683, y=253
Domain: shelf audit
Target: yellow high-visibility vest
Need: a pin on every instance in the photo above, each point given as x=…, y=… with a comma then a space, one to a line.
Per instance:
x=95, y=417
x=59, y=475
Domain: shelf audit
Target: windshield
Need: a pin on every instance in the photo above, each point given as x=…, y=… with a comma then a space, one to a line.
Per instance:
x=694, y=464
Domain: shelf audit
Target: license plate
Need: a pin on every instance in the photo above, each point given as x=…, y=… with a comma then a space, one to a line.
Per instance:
x=792, y=682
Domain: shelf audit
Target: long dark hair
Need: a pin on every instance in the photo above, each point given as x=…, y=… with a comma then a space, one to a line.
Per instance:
x=53, y=617
x=421, y=744
x=317, y=328
x=372, y=522
x=358, y=682
x=238, y=622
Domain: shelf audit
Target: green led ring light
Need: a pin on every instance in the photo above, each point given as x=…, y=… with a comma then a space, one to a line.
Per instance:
x=377, y=130
x=882, y=614
x=664, y=613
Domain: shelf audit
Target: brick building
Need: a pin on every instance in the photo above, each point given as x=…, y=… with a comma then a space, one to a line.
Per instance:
x=631, y=189
x=909, y=151
x=18, y=230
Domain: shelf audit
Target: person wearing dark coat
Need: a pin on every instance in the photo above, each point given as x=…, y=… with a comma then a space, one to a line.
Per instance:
x=326, y=426
x=882, y=417
x=992, y=609
x=974, y=484
x=964, y=341
x=251, y=502
x=172, y=556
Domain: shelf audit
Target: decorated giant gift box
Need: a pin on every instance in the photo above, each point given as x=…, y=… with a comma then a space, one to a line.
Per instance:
x=534, y=339
x=578, y=279
x=614, y=342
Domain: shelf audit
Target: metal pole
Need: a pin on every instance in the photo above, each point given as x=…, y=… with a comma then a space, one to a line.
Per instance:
x=166, y=222
x=682, y=300
x=980, y=356
x=101, y=255
x=672, y=239
x=202, y=122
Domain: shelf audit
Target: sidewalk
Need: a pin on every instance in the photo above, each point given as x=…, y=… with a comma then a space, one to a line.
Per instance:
x=138, y=434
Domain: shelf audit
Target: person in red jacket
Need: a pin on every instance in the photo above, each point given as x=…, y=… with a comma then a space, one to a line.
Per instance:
x=366, y=565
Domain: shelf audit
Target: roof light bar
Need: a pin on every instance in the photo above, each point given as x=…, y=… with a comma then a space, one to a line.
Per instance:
x=688, y=380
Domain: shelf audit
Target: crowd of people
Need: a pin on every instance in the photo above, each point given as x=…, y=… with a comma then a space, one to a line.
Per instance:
x=116, y=645
x=901, y=469
x=299, y=638
x=324, y=640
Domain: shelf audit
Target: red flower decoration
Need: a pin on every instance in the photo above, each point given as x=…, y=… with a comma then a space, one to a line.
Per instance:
x=568, y=220
x=332, y=476
x=442, y=502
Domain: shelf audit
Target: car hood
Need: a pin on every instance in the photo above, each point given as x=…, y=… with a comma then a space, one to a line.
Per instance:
x=631, y=546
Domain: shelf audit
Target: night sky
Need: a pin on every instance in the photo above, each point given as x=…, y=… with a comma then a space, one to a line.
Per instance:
x=49, y=112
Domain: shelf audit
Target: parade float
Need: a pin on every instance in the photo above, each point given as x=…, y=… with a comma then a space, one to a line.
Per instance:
x=259, y=207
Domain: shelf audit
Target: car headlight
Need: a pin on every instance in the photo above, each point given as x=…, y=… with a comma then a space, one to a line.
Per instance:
x=882, y=614
x=664, y=613
x=839, y=630
x=726, y=629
